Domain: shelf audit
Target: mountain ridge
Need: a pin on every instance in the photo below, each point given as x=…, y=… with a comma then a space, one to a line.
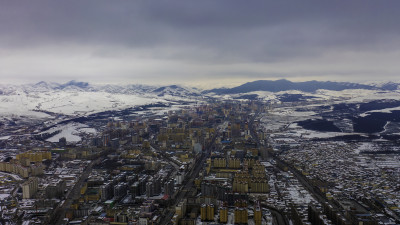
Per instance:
x=183, y=91
x=306, y=86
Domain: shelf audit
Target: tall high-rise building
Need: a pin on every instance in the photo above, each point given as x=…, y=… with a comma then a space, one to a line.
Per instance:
x=169, y=187
x=257, y=214
x=223, y=215
x=30, y=187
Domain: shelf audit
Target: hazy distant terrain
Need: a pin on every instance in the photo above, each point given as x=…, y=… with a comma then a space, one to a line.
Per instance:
x=329, y=108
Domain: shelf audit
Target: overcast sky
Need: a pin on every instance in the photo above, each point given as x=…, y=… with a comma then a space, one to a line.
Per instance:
x=206, y=43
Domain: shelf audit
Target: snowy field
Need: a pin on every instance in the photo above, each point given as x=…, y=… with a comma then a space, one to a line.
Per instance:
x=70, y=131
x=278, y=119
x=69, y=103
x=348, y=95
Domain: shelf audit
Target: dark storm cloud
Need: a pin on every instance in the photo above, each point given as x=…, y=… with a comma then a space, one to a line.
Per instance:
x=223, y=32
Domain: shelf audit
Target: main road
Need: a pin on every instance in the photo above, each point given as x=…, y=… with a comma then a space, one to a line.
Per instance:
x=59, y=212
x=188, y=182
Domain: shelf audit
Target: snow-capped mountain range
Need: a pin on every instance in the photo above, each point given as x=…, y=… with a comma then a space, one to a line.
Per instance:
x=307, y=86
x=81, y=98
x=182, y=91
x=173, y=90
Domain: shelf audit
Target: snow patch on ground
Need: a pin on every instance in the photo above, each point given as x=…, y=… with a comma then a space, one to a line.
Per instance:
x=387, y=110
x=88, y=130
x=265, y=95
x=4, y=196
x=14, y=176
x=70, y=131
x=299, y=196
x=365, y=146
x=301, y=132
x=357, y=95
x=291, y=112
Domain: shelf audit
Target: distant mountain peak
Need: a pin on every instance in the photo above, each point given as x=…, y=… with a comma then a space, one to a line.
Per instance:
x=286, y=85
x=40, y=83
x=176, y=90
x=75, y=83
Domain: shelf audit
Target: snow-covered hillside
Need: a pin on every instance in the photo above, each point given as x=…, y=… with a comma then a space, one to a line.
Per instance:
x=348, y=95
x=79, y=98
